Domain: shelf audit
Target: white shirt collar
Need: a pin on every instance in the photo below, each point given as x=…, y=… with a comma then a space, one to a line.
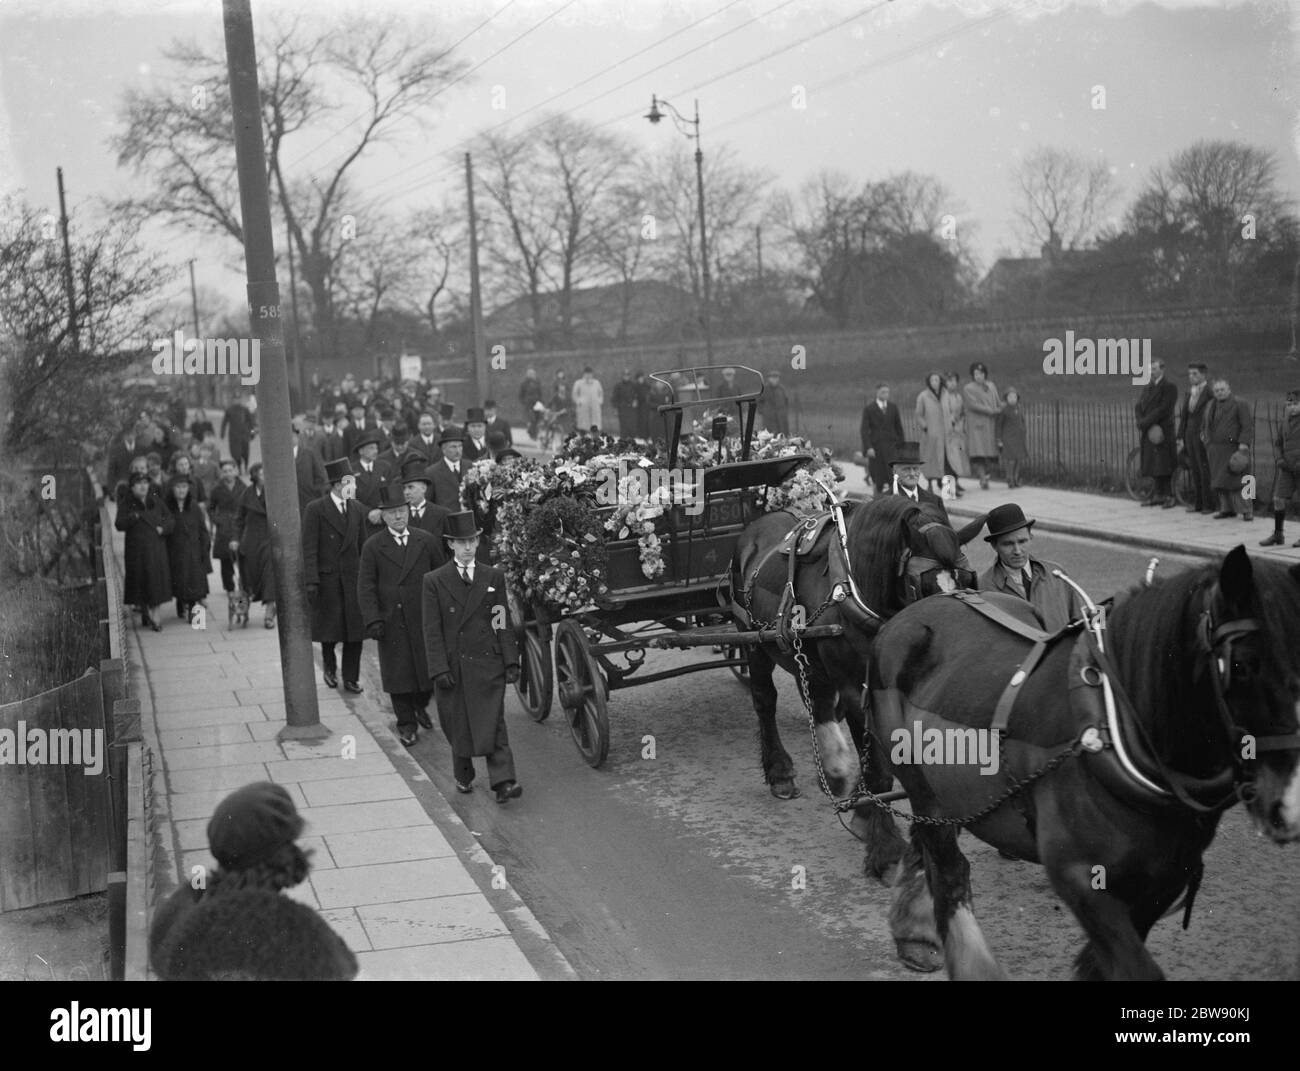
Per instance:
x=399, y=536
x=338, y=502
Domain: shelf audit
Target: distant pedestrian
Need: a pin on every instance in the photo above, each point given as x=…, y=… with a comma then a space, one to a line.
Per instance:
x=189, y=547
x=496, y=423
x=982, y=405
x=1155, y=422
x=237, y=925
x=530, y=393
x=203, y=460
x=253, y=545
x=881, y=432
x=774, y=406
x=641, y=385
x=183, y=465
x=1286, y=446
x=933, y=427
x=956, y=455
x=121, y=452
x=145, y=519
x=308, y=471
x=1228, y=431
x=588, y=396
x=1191, y=417
x=333, y=531
x=472, y=655
x=475, y=444
x=1011, y=438
x=624, y=400
x=389, y=591
x=237, y=428
x=223, y=512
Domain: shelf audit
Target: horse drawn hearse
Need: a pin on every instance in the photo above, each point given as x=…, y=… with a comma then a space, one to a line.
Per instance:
x=1121, y=739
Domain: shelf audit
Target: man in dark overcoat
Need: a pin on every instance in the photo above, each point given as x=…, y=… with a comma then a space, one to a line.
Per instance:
x=472, y=655
x=1191, y=413
x=333, y=529
x=497, y=424
x=424, y=514
x=371, y=475
x=1229, y=430
x=309, y=471
x=624, y=399
x=223, y=512
x=237, y=423
x=400, y=451
x=1155, y=423
x=425, y=440
x=881, y=433
x=124, y=449
x=390, y=591
x=446, y=473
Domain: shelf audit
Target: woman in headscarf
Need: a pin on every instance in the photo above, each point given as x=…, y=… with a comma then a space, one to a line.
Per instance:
x=146, y=521
x=189, y=546
x=933, y=429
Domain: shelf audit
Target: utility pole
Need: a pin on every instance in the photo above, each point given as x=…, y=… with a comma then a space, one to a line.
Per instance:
x=302, y=716
x=475, y=295
x=67, y=267
x=201, y=396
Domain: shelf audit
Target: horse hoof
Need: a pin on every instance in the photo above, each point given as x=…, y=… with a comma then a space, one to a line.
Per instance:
x=785, y=789
x=920, y=956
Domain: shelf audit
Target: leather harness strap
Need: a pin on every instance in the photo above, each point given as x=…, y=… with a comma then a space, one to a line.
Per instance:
x=1000, y=617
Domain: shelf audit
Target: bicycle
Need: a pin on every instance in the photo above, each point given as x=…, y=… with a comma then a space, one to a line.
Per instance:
x=1139, y=487
x=550, y=429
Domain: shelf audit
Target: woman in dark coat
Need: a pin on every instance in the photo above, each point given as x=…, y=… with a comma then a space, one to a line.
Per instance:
x=189, y=547
x=253, y=545
x=223, y=511
x=146, y=522
x=1228, y=429
x=1012, y=440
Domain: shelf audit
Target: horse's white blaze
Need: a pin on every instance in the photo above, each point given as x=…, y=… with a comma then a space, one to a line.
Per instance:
x=835, y=745
x=947, y=582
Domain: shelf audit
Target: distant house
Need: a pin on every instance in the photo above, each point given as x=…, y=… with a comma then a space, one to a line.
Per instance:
x=617, y=313
x=1025, y=281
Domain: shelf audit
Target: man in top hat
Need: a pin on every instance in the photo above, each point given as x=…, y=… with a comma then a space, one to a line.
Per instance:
x=1017, y=573
x=882, y=435
x=475, y=435
x=472, y=656
x=424, y=514
x=446, y=474
x=497, y=425
x=400, y=450
x=1286, y=447
x=371, y=475
x=389, y=589
x=333, y=530
x=907, y=468
x=309, y=470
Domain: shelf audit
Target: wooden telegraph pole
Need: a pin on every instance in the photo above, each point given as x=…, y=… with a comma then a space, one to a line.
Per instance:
x=301, y=713
x=475, y=295
x=67, y=267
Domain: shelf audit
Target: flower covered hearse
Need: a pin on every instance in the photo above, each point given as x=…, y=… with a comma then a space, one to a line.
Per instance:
x=618, y=545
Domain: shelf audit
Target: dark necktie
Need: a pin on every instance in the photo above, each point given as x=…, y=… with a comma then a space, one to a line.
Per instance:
x=417, y=513
x=464, y=574
x=1026, y=578
x=401, y=540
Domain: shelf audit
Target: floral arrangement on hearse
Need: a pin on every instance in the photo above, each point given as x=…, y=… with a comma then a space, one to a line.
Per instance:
x=549, y=522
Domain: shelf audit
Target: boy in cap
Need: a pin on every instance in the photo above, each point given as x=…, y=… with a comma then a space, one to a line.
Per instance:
x=472, y=655
x=1286, y=446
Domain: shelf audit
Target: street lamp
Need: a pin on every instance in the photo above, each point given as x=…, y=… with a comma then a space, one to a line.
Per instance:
x=683, y=125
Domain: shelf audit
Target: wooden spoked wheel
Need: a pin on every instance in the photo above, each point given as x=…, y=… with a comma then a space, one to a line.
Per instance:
x=581, y=688
x=536, y=684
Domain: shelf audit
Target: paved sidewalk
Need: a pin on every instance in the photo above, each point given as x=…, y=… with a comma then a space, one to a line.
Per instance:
x=395, y=871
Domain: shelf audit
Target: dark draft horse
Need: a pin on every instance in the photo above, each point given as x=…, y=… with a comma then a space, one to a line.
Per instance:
x=879, y=537
x=1205, y=674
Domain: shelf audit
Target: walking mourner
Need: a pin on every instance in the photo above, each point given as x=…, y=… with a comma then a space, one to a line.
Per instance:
x=882, y=434
x=189, y=547
x=223, y=512
x=333, y=530
x=237, y=422
x=390, y=593
x=1155, y=422
x=1228, y=432
x=1012, y=440
x=445, y=475
x=424, y=514
x=773, y=407
x=1017, y=572
x=309, y=472
x=472, y=656
x=253, y=545
x=146, y=521
x=1191, y=417
x=530, y=393
x=1286, y=447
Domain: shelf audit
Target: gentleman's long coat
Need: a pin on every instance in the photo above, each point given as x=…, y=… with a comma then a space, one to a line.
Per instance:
x=1228, y=424
x=444, y=485
x=390, y=592
x=930, y=422
x=309, y=471
x=1155, y=408
x=460, y=637
x=881, y=431
x=238, y=422
x=982, y=404
x=223, y=509
x=255, y=546
x=331, y=558
x=432, y=520
x=148, y=573
x=189, y=551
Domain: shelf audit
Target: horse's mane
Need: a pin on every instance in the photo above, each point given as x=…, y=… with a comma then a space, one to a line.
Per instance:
x=875, y=538
x=1150, y=627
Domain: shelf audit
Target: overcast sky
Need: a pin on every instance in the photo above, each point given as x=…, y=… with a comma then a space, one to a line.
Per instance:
x=957, y=90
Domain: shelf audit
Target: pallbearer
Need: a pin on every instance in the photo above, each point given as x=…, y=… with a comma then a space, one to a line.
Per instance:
x=393, y=564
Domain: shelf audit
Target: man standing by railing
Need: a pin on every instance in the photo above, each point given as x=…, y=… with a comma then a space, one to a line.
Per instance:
x=1190, y=416
x=1155, y=421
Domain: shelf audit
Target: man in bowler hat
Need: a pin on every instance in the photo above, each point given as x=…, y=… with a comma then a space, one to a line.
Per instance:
x=1017, y=573
x=472, y=656
x=393, y=565
x=333, y=530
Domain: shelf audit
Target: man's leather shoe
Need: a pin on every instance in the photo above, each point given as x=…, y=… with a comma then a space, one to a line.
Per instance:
x=465, y=788
x=353, y=687
x=509, y=790
x=1275, y=540
x=407, y=736
x=331, y=679
x=422, y=716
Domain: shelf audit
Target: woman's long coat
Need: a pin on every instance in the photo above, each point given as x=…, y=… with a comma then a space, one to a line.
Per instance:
x=930, y=423
x=467, y=633
x=587, y=400
x=982, y=405
x=255, y=546
x=189, y=551
x=223, y=510
x=1226, y=425
x=331, y=558
x=954, y=422
x=390, y=590
x=148, y=573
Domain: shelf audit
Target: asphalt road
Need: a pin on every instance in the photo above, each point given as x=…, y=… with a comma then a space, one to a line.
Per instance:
x=674, y=861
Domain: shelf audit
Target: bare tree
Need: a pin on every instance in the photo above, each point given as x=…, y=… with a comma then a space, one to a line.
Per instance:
x=184, y=149
x=1063, y=198
x=437, y=238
